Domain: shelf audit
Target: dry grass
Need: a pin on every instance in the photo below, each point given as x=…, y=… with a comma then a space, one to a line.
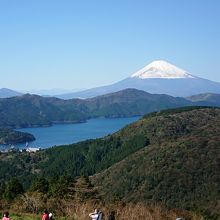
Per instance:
x=129, y=212
x=78, y=210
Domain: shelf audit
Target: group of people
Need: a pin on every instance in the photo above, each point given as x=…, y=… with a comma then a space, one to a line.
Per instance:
x=96, y=215
x=46, y=216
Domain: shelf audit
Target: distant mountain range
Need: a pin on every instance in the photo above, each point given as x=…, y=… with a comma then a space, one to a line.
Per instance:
x=6, y=93
x=210, y=99
x=50, y=92
x=32, y=110
x=159, y=77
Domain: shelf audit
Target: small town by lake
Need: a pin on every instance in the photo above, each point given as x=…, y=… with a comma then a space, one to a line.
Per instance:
x=62, y=134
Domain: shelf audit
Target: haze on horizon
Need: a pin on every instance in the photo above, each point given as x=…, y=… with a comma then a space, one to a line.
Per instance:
x=70, y=45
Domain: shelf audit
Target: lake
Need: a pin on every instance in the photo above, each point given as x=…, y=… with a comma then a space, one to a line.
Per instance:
x=60, y=134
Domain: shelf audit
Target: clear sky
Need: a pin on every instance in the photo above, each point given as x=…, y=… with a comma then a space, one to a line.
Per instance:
x=72, y=44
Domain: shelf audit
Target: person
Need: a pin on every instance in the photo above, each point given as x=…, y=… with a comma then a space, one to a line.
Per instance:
x=112, y=216
x=6, y=216
x=45, y=215
x=51, y=216
x=96, y=215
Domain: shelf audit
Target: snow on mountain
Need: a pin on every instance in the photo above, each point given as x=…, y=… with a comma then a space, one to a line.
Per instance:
x=161, y=69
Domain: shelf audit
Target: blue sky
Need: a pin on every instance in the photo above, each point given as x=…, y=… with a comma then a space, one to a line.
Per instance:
x=71, y=44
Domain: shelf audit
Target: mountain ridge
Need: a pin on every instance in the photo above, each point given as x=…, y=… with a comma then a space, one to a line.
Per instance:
x=33, y=110
x=7, y=93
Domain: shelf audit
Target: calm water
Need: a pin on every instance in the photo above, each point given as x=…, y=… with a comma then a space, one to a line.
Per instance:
x=71, y=133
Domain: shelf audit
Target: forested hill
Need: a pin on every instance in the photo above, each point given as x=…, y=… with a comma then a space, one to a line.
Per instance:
x=9, y=136
x=180, y=166
x=170, y=157
x=131, y=102
x=32, y=110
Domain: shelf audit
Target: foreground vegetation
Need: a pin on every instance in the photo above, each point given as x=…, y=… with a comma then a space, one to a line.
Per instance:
x=167, y=159
x=74, y=200
x=130, y=211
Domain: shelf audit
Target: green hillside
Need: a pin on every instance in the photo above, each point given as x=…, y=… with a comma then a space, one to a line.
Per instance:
x=180, y=167
x=9, y=136
x=131, y=102
x=36, y=111
x=32, y=110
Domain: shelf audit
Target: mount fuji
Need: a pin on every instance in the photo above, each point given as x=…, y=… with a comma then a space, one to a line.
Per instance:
x=161, y=69
x=158, y=77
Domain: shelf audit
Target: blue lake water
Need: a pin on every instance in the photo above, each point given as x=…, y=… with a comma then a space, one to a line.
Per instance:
x=60, y=134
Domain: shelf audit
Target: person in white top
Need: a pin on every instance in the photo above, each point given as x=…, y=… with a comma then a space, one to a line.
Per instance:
x=96, y=215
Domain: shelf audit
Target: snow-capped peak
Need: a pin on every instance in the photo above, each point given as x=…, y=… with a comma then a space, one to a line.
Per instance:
x=161, y=69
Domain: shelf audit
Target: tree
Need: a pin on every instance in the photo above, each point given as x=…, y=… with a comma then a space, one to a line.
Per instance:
x=85, y=190
x=62, y=187
x=13, y=189
x=40, y=185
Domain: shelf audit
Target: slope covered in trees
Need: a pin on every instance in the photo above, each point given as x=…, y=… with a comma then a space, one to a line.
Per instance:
x=169, y=157
x=180, y=166
x=32, y=110
x=9, y=136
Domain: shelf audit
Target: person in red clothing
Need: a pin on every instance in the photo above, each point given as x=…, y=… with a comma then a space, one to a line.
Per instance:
x=45, y=215
x=6, y=216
